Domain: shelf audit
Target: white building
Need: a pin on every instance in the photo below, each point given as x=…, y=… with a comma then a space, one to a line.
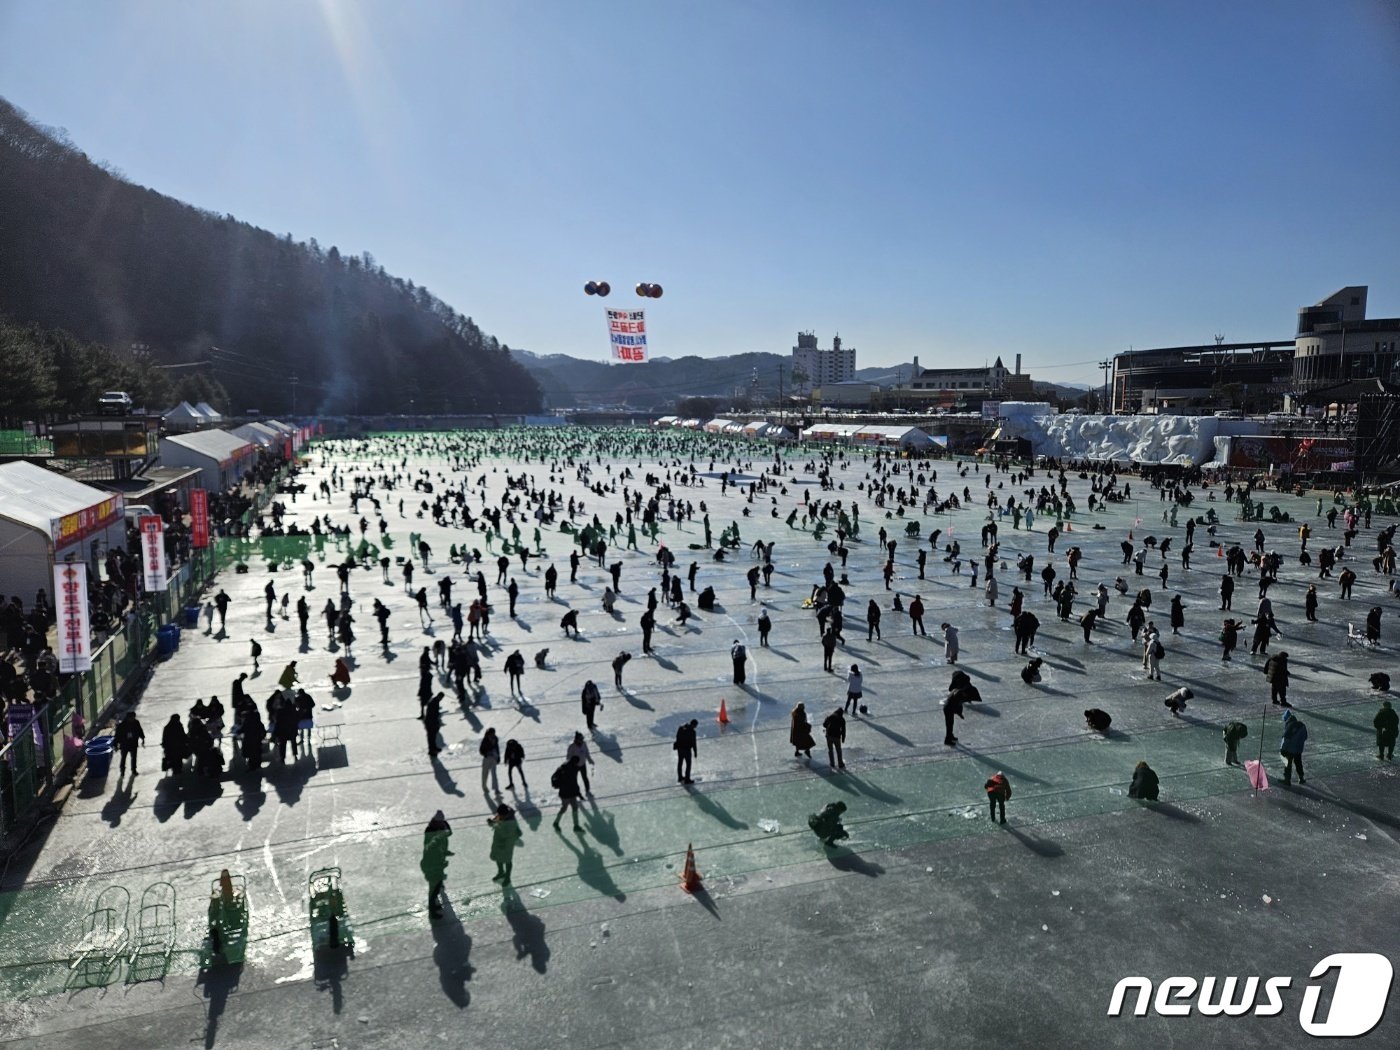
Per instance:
x=822, y=367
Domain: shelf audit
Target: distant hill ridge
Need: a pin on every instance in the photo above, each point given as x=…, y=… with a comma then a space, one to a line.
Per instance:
x=86, y=251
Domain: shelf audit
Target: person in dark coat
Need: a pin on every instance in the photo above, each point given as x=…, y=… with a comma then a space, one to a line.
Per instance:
x=436, y=838
x=1387, y=725
x=960, y=691
x=565, y=781
x=591, y=701
x=1234, y=732
x=1295, y=735
x=686, y=749
x=738, y=654
x=515, y=763
x=619, y=662
x=251, y=736
x=129, y=736
x=1373, y=625
x=1178, y=615
x=765, y=624
x=800, y=733
x=515, y=670
x=1098, y=720
x=1276, y=671
x=834, y=727
x=432, y=724
x=284, y=728
x=1144, y=785
x=1229, y=638
x=175, y=746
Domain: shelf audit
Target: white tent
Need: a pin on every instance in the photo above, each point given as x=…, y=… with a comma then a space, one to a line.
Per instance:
x=221, y=457
x=184, y=416
x=716, y=426
x=46, y=518
x=209, y=412
x=259, y=434
x=665, y=421
x=895, y=436
x=831, y=432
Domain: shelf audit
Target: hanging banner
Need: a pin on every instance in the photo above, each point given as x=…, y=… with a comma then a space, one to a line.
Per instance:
x=74, y=637
x=199, y=518
x=152, y=551
x=627, y=331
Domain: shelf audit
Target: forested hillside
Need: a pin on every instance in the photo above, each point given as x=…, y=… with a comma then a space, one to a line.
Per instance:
x=84, y=251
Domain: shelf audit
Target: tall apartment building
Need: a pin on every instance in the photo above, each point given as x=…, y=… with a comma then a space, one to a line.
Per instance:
x=837, y=365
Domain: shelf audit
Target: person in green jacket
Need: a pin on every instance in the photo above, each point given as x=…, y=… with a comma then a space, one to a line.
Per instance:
x=1234, y=733
x=1387, y=724
x=505, y=836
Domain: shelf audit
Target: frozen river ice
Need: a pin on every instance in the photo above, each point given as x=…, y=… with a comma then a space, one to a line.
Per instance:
x=929, y=909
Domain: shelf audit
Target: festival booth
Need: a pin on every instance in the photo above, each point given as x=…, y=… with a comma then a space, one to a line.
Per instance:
x=222, y=458
x=718, y=426
x=665, y=421
x=259, y=434
x=905, y=437
x=831, y=433
x=47, y=519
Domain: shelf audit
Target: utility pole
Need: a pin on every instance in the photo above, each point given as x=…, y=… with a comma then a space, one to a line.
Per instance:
x=1107, y=406
x=294, y=381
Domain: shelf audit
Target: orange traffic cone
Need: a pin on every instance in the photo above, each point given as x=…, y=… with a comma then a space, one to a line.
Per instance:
x=690, y=878
x=1220, y=552
x=1069, y=526
x=723, y=713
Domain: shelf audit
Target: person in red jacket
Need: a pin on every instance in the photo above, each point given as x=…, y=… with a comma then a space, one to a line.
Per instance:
x=998, y=790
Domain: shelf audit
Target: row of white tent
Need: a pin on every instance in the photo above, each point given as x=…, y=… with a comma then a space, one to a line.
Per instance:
x=833, y=433
x=759, y=428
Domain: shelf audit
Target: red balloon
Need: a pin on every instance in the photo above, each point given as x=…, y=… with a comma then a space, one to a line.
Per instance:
x=604, y=288
x=590, y=288
x=655, y=291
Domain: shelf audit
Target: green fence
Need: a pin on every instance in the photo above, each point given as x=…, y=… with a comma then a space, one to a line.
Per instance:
x=29, y=763
x=18, y=443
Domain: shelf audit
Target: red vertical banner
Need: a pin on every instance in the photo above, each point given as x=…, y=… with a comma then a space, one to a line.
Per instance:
x=287, y=447
x=199, y=518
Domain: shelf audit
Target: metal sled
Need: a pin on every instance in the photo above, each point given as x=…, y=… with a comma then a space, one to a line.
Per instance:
x=330, y=923
x=226, y=943
x=103, y=945
x=155, y=934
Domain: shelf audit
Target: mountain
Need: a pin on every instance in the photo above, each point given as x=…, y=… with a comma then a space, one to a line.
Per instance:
x=570, y=381
x=84, y=251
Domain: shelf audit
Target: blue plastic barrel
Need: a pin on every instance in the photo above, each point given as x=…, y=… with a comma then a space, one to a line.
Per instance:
x=99, y=756
x=191, y=616
x=167, y=639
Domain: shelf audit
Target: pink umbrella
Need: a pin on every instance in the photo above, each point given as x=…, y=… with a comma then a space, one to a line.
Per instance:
x=1258, y=779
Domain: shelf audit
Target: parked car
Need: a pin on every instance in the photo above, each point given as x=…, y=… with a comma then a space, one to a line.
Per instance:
x=114, y=403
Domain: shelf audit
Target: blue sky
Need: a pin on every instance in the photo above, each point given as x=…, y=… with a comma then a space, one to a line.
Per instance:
x=948, y=180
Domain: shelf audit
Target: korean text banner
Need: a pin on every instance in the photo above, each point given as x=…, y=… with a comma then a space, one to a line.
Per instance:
x=152, y=551
x=627, y=331
x=74, y=637
x=199, y=518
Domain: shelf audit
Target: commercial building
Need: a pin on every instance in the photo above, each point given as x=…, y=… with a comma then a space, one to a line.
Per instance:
x=1337, y=344
x=1334, y=347
x=989, y=379
x=1185, y=379
x=821, y=367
